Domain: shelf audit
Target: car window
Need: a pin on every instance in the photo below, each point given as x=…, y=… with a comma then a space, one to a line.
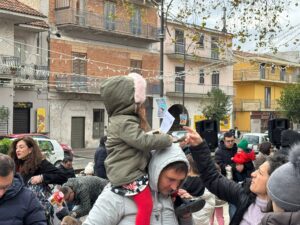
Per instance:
x=46, y=147
x=254, y=140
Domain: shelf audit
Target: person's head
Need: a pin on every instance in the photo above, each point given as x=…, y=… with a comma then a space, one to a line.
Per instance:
x=261, y=175
x=103, y=140
x=69, y=220
x=167, y=169
x=69, y=194
x=229, y=140
x=7, y=168
x=171, y=177
x=284, y=184
x=67, y=162
x=26, y=154
x=289, y=138
x=265, y=148
x=243, y=146
x=193, y=167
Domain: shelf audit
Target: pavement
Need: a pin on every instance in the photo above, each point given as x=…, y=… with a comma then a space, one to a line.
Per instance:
x=82, y=157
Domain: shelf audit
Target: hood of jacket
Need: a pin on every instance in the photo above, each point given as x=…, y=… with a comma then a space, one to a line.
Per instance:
x=279, y=218
x=160, y=159
x=121, y=93
x=14, y=189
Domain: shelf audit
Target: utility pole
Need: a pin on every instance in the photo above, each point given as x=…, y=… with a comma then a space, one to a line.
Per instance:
x=161, y=37
x=183, y=77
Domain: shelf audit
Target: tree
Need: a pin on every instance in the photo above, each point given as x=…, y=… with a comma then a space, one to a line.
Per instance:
x=290, y=102
x=259, y=21
x=218, y=106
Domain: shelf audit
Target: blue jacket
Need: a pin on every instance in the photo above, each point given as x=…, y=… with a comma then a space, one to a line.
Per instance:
x=19, y=206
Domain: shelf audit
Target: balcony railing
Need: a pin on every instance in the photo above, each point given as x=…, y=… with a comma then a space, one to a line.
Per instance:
x=255, y=105
x=92, y=20
x=193, y=88
x=256, y=75
x=9, y=64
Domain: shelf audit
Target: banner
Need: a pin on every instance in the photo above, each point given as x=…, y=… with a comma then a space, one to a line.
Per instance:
x=41, y=120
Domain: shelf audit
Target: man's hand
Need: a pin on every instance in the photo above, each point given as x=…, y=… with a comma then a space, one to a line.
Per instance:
x=192, y=137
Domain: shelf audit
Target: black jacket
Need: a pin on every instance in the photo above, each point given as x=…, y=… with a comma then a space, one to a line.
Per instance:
x=100, y=156
x=51, y=174
x=69, y=173
x=19, y=206
x=220, y=186
x=223, y=156
x=281, y=218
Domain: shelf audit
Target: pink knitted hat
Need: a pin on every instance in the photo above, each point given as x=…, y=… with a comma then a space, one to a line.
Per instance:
x=140, y=86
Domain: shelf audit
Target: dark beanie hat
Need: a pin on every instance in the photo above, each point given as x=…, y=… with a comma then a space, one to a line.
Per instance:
x=284, y=183
x=289, y=138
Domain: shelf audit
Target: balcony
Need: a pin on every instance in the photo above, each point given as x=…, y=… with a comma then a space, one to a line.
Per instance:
x=256, y=75
x=9, y=65
x=76, y=83
x=175, y=89
x=248, y=105
x=94, y=24
x=193, y=53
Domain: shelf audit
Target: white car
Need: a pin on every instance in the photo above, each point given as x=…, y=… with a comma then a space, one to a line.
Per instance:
x=52, y=149
x=254, y=139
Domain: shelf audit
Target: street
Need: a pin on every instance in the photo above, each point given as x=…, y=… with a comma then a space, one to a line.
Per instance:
x=82, y=157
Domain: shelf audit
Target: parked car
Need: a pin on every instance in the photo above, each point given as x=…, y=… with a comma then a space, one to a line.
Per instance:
x=68, y=151
x=50, y=148
x=254, y=139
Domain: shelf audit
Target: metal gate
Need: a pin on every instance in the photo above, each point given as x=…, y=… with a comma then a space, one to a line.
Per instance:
x=21, y=120
x=77, y=132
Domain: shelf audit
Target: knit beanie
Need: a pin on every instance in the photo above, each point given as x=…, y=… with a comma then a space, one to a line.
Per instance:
x=289, y=137
x=244, y=145
x=284, y=183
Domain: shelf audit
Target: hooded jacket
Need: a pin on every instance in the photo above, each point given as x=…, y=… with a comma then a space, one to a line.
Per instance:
x=281, y=218
x=128, y=146
x=114, y=209
x=19, y=206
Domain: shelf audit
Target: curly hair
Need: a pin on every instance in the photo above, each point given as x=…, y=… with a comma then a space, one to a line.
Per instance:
x=32, y=161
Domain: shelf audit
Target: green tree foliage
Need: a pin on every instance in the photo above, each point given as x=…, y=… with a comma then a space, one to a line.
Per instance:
x=5, y=145
x=218, y=106
x=290, y=102
x=4, y=113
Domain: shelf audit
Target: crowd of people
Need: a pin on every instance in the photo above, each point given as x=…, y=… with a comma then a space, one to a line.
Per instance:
x=141, y=177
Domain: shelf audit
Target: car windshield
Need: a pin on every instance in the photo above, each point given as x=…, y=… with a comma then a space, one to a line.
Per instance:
x=254, y=140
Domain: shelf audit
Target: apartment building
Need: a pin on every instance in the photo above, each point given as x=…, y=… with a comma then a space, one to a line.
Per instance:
x=23, y=69
x=259, y=80
x=98, y=39
x=196, y=61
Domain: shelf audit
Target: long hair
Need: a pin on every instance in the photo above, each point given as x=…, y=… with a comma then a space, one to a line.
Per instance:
x=32, y=161
x=141, y=112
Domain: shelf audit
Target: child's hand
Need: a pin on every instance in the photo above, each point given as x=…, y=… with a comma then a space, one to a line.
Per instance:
x=192, y=137
x=184, y=194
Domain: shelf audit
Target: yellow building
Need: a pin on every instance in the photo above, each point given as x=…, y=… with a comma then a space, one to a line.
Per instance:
x=258, y=81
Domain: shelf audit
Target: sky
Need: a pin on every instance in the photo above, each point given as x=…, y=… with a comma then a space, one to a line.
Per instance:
x=281, y=38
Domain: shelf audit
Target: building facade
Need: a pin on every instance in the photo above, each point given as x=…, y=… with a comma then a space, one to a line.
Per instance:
x=196, y=61
x=98, y=39
x=259, y=80
x=23, y=69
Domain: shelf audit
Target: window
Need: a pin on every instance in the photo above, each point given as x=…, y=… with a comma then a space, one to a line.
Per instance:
x=179, y=79
x=136, y=22
x=109, y=15
x=201, y=41
x=79, y=81
x=136, y=65
x=215, y=78
x=179, y=41
x=61, y=4
x=201, y=77
x=79, y=63
x=98, y=123
x=46, y=147
x=262, y=70
x=20, y=52
x=214, y=47
x=267, y=97
x=282, y=73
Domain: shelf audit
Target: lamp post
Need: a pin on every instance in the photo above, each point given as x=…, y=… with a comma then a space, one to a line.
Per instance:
x=161, y=37
x=183, y=78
